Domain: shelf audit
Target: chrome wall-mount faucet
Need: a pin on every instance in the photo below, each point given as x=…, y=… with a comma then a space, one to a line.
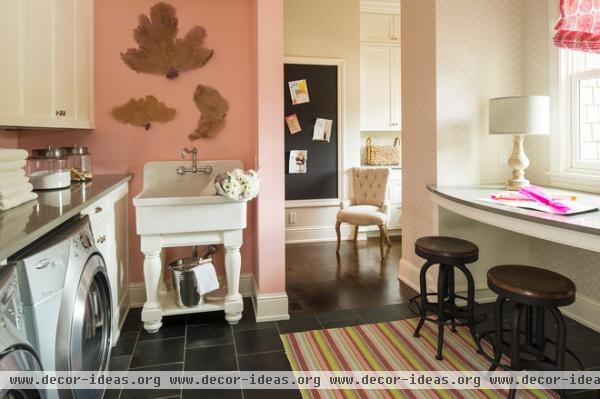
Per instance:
x=182, y=170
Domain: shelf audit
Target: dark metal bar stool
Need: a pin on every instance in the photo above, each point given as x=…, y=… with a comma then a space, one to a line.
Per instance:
x=533, y=291
x=449, y=253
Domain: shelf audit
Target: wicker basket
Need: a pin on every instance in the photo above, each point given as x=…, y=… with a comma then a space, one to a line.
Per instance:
x=383, y=154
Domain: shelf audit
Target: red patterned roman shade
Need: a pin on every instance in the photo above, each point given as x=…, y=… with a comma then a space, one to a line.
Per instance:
x=579, y=25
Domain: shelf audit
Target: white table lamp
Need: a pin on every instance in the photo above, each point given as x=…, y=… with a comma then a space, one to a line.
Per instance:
x=519, y=116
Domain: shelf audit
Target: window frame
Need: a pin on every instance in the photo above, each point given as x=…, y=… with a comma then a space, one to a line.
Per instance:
x=575, y=163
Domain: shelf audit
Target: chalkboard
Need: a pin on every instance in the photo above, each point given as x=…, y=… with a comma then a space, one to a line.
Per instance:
x=321, y=178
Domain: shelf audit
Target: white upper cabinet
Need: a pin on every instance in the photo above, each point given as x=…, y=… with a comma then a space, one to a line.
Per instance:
x=380, y=71
x=46, y=73
x=377, y=27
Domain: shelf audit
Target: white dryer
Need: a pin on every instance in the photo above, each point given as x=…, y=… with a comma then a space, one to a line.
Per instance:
x=15, y=352
x=67, y=301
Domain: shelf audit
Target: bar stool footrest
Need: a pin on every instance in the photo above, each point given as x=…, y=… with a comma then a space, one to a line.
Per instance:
x=545, y=363
x=451, y=311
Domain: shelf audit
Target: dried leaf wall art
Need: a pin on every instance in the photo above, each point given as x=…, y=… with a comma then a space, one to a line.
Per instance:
x=143, y=111
x=214, y=110
x=160, y=51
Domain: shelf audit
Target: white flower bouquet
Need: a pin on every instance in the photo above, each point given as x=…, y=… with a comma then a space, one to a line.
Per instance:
x=238, y=185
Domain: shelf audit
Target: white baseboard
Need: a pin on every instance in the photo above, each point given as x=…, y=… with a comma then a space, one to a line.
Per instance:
x=409, y=275
x=137, y=291
x=585, y=310
x=137, y=294
x=271, y=306
x=313, y=234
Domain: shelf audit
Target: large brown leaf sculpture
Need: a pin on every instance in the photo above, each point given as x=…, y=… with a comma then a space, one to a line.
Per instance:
x=143, y=111
x=214, y=110
x=160, y=51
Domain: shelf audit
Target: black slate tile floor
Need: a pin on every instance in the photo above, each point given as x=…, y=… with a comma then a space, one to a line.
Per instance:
x=204, y=342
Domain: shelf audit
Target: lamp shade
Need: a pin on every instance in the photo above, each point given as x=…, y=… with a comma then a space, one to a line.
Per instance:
x=520, y=115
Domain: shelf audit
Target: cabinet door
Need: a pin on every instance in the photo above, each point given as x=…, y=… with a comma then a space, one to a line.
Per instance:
x=46, y=63
x=395, y=90
x=65, y=62
x=12, y=39
x=375, y=79
x=39, y=64
x=396, y=27
x=84, y=60
x=376, y=27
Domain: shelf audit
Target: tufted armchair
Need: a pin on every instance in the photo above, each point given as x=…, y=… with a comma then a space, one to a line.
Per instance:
x=368, y=205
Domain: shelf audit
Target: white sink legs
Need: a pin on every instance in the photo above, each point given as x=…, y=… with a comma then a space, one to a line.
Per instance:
x=161, y=302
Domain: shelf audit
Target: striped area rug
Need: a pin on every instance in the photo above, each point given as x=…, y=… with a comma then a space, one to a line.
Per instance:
x=390, y=346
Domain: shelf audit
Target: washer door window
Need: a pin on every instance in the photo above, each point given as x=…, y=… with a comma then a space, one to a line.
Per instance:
x=91, y=319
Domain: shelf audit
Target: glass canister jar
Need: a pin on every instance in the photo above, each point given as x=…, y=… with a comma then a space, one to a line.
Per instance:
x=80, y=163
x=48, y=169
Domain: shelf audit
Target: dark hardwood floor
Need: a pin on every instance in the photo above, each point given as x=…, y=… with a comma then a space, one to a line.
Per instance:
x=317, y=280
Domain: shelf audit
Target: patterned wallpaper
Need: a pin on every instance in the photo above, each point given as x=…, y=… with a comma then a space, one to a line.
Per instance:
x=579, y=265
x=535, y=36
x=419, y=147
x=501, y=52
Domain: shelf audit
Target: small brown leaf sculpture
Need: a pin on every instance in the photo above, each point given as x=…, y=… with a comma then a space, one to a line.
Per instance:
x=214, y=110
x=160, y=51
x=143, y=111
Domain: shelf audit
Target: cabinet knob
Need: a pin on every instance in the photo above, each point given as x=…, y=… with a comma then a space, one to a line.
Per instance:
x=98, y=209
x=101, y=239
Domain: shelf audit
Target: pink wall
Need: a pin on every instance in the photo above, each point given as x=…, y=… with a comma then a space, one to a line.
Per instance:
x=8, y=139
x=268, y=32
x=119, y=148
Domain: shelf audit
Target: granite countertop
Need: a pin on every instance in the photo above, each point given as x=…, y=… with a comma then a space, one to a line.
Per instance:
x=471, y=196
x=26, y=223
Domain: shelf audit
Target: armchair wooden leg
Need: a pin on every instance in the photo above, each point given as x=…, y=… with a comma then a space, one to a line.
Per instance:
x=387, y=236
x=381, y=238
x=339, y=238
x=355, y=234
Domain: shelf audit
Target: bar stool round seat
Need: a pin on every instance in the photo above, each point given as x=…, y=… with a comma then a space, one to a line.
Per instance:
x=534, y=292
x=449, y=253
x=531, y=285
x=447, y=250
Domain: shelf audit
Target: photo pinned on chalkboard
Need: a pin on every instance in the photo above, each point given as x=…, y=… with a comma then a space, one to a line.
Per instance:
x=299, y=91
x=322, y=130
x=298, y=159
x=293, y=124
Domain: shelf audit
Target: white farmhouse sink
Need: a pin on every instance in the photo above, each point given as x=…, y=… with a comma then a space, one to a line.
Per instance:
x=172, y=204
x=184, y=210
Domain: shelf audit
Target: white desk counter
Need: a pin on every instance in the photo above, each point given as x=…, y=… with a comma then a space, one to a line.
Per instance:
x=504, y=236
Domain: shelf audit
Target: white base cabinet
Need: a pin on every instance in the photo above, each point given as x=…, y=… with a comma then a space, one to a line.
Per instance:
x=46, y=67
x=109, y=220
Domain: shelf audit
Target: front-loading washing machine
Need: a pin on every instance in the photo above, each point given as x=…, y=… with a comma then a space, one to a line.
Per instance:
x=16, y=354
x=66, y=299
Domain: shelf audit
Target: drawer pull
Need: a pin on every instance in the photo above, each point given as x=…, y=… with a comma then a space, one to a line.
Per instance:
x=98, y=209
x=101, y=239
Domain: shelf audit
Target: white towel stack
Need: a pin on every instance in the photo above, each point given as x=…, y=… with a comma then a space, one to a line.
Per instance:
x=15, y=188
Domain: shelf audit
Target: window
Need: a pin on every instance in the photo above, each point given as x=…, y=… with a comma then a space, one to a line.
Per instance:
x=582, y=110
